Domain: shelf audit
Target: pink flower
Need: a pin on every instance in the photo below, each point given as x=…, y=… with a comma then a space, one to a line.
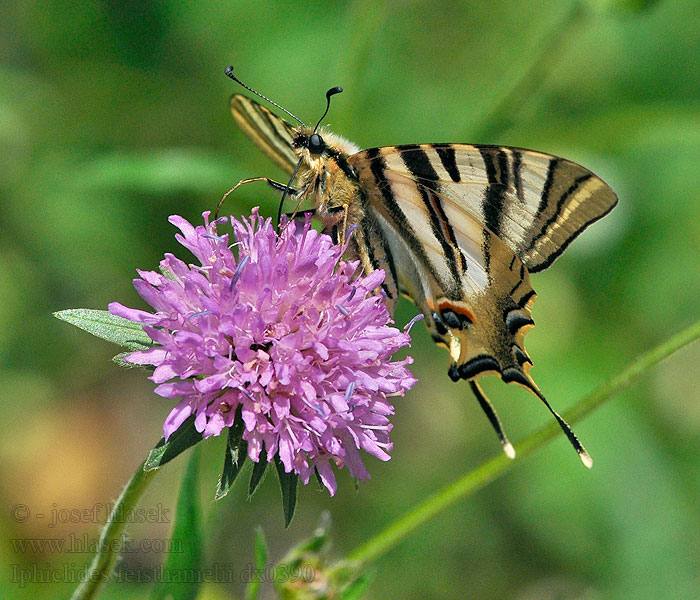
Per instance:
x=286, y=334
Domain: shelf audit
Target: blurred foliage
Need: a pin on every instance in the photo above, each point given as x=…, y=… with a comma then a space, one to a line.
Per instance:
x=114, y=115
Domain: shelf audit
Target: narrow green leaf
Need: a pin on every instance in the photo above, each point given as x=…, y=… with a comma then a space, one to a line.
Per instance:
x=321, y=487
x=288, y=484
x=185, y=555
x=260, y=558
x=258, y=472
x=107, y=326
x=183, y=438
x=234, y=459
x=357, y=588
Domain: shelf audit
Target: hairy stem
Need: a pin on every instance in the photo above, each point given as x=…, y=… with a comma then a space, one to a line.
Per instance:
x=103, y=562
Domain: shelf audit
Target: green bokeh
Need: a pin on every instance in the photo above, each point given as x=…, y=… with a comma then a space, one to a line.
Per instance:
x=115, y=115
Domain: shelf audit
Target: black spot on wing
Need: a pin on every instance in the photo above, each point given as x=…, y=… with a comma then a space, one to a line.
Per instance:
x=515, y=320
x=473, y=367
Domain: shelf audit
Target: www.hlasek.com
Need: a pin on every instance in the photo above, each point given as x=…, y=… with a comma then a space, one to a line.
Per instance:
x=75, y=544
x=217, y=573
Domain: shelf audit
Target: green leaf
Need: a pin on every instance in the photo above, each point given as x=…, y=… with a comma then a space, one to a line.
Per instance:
x=185, y=436
x=357, y=588
x=288, y=484
x=186, y=554
x=258, y=472
x=108, y=327
x=260, y=562
x=236, y=454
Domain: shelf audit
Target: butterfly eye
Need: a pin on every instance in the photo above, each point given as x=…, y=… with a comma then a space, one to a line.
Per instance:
x=316, y=145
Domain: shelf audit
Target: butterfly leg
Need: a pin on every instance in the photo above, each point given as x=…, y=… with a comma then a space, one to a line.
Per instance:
x=490, y=411
x=275, y=185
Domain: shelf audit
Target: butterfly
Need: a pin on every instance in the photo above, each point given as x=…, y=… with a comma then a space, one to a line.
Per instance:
x=458, y=228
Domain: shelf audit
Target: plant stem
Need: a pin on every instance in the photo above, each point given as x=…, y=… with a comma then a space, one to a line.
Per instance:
x=107, y=554
x=488, y=471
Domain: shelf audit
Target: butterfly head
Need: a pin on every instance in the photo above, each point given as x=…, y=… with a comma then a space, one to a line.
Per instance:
x=309, y=144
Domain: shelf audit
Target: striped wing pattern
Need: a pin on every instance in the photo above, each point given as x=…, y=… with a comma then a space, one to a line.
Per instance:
x=472, y=287
x=271, y=134
x=466, y=224
x=536, y=203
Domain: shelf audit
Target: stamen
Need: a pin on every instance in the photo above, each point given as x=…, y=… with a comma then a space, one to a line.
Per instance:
x=239, y=270
x=213, y=236
x=200, y=314
x=349, y=231
x=341, y=309
x=246, y=392
x=413, y=321
x=352, y=293
x=349, y=392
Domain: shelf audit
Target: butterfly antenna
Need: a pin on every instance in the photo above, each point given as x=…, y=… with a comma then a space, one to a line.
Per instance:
x=518, y=376
x=332, y=92
x=229, y=73
x=490, y=411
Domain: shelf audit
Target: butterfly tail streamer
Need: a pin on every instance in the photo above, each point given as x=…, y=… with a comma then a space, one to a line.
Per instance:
x=523, y=379
x=490, y=411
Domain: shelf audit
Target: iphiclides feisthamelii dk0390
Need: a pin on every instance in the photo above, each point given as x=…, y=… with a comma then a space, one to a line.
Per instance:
x=458, y=228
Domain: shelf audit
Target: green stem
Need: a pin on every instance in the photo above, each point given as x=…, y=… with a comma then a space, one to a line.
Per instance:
x=107, y=554
x=488, y=471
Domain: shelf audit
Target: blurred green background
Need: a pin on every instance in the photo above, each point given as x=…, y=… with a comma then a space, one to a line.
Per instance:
x=114, y=115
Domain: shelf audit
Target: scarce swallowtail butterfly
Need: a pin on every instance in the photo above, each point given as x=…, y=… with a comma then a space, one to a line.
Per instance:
x=458, y=228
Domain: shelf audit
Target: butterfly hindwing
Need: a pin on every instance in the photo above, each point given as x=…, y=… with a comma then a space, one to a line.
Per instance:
x=472, y=287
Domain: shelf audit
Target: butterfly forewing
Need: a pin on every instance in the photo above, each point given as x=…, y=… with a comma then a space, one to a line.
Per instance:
x=535, y=202
x=271, y=134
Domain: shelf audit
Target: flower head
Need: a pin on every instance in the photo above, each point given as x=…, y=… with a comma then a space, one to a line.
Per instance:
x=284, y=333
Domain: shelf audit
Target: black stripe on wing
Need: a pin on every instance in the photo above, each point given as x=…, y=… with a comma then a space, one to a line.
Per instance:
x=270, y=133
x=419, y=165
x=399, y=220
